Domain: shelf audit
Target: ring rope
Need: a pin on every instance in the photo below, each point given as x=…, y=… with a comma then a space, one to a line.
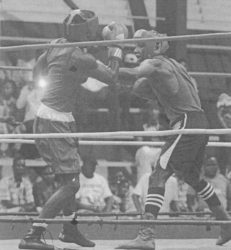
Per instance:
x=113, y=42
x=201, y=74
x=204, y=222
x=219, y=74
x=109, y=214
x=119, y=134
x=116, y=143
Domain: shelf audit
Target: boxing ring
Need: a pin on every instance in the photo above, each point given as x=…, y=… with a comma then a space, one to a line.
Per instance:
x=180, y=231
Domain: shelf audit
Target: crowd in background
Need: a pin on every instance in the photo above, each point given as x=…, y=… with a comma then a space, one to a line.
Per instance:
x=28, y=188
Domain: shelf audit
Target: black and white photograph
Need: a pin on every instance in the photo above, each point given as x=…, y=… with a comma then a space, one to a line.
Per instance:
x=115, y=124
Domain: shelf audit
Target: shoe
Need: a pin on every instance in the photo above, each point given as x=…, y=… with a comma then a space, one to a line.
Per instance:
x=144, y=241
x=33, y=240
x=71, y=234
x=225, y=235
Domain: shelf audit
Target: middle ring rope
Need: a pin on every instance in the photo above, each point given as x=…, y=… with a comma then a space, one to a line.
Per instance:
x=119, y=134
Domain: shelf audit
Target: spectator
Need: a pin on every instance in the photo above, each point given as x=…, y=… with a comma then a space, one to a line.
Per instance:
x=183, y=189
x=94, y=193
x=145, y=158
x=44, y=185
x=224, y=116
x=220, y=183
x=29, y=101
x=7, y=111
x=170, y=197
x=16, y=191
x=122, y=190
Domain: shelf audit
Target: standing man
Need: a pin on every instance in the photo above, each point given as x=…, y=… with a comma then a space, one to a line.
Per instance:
x=162, y=77
x=66, y=68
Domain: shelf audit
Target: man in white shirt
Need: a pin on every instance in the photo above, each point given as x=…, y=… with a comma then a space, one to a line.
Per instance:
x=94, y=193
x=146, y=157
x=170, y=196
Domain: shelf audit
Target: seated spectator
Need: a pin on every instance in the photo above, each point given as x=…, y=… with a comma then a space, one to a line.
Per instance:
x=122, y=190
x=44, y=185
x=29, y=101
x=16, y=192
x=7, y=110
x=171, y=197
x=220, y=183
x=94, y=193
x=183, y=188
x=224, y=116
x=146, y=156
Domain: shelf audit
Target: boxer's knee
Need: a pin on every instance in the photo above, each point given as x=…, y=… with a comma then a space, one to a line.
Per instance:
x=70, y=182
x=159, y=177
x=192, y=177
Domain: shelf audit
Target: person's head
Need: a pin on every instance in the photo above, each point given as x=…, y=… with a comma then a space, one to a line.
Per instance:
x=211, y=167
x=81, y=25
x=89, y=166
x=149, y=49
x=19, y=168
x=9, y=88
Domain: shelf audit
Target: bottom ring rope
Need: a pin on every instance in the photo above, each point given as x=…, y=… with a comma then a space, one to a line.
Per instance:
x=119, y=222
x=109, y=214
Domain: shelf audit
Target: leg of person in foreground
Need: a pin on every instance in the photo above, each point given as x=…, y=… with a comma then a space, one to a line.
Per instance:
x=154, y=201
x=60, y=200
x=207, y=193
x=187, y=159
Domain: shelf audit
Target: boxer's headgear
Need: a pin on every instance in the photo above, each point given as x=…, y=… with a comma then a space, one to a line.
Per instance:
x=153, y=47
x=81, y=25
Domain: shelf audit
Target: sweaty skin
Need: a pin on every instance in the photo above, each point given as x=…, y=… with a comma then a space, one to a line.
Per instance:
x=173, y=88
x=66, y=69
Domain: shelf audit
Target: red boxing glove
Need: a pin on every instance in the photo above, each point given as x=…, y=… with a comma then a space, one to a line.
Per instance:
x=115, y=31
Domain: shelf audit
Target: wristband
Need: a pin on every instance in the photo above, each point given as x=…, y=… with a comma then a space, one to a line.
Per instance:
x=115, y=52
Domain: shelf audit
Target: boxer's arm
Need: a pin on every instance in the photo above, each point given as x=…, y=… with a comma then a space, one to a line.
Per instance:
x=109, y=74
x=40, y=67
x=106, y=74
x=155, y=68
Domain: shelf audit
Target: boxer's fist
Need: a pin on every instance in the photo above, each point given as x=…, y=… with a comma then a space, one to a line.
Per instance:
x=115, y=31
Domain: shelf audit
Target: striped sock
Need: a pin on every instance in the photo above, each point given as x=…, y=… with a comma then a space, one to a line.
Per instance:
x=206, y=191
x=154, y=200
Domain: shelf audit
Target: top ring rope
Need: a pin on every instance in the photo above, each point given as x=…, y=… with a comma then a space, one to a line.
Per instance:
x=203, y=74
x=117, y=143
x=118, y=134
x=114, y=42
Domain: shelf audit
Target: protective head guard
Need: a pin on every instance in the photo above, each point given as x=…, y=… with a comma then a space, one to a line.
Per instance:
x=151, y=48
x=81, y=25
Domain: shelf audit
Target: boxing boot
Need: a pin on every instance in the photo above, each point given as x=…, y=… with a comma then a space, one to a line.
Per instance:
x=225, y=235
x=145, y=239
x=32, y=240
x=71, y=234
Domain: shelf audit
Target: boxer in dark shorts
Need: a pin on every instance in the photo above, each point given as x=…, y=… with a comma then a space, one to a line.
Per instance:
x=163, y=78
x=65, y=69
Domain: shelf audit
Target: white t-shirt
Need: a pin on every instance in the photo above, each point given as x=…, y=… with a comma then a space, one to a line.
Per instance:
x=171, y=191
x=29, y=99
x=145, y=158
x=93, y=191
